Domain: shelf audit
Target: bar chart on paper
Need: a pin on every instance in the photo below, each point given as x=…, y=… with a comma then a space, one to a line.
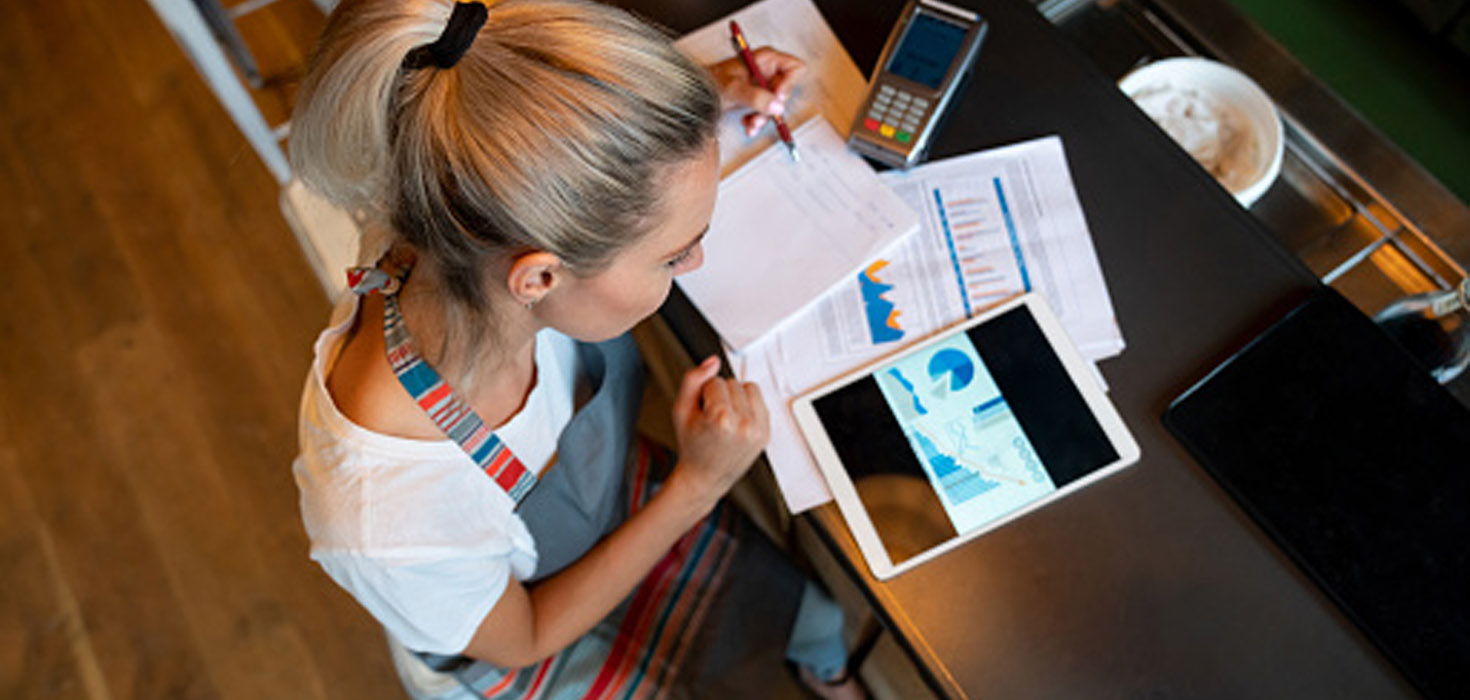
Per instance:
x=880, y=312
x=984, y=246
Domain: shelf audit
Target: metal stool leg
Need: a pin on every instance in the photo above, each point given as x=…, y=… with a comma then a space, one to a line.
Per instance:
x=187, y=23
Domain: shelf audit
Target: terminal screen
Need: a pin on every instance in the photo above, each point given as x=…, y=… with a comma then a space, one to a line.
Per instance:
x=926, y=50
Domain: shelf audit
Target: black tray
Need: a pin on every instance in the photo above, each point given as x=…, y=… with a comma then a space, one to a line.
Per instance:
x=1357, y=464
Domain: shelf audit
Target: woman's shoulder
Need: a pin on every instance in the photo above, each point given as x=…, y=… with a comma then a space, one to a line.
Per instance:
x=363, y=387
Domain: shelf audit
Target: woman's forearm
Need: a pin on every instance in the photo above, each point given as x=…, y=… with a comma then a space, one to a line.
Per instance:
x=530, y=624
x=722, y=426
x=569, y=604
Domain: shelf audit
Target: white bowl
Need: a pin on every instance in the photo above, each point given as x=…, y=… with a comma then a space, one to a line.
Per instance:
x=1219, y=115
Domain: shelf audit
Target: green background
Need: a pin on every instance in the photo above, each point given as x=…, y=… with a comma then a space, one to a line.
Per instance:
x=1411, y=85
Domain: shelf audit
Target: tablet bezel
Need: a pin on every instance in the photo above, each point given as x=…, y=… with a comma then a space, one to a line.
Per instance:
x=844, y=491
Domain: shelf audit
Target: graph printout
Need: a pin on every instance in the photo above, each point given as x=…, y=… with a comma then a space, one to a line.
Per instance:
x=975, y=453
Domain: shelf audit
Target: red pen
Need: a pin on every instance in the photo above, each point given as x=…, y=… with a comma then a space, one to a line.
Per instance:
x=743, y=48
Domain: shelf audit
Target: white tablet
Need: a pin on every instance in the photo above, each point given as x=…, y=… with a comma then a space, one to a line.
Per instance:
x=957, y=435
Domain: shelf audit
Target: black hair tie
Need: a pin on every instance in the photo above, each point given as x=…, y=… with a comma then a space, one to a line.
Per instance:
x=464, y=24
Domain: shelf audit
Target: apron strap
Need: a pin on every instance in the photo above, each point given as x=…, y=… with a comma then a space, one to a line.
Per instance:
x=441, y=402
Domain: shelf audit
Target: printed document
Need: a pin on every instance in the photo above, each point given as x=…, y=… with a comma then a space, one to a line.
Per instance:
x=784, y=233
x=993, y=224
x=831, y=87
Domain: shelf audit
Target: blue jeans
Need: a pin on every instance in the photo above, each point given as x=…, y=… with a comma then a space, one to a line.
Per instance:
x=816, y=635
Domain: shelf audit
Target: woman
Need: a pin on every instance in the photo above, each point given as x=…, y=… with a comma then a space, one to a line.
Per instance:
x=541, y=171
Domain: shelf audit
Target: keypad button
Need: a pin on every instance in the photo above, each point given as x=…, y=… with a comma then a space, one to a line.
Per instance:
x=885, y=90
x=921, y=102
x=910, y=126
x=904, y=137
x=870, y=124
x=903, y=98
x=887, y=131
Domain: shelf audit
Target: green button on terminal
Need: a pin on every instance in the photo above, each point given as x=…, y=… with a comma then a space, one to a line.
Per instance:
x=904, y=137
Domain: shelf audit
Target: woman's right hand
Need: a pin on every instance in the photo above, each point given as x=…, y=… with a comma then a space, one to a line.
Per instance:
x=721, y=425
x=739, y=91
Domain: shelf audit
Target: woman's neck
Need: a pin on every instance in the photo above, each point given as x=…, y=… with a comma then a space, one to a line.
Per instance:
x=495, y=372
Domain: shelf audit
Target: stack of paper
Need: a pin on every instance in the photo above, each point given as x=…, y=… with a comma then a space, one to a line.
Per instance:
x=784, y=233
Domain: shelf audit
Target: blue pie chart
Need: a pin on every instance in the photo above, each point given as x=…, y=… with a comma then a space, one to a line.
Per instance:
x=953, y=363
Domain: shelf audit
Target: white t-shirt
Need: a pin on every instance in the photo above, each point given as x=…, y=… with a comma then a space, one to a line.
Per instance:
x=413, y=529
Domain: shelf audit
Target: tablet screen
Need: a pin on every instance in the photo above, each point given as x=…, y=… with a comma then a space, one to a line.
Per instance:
x=965, y=431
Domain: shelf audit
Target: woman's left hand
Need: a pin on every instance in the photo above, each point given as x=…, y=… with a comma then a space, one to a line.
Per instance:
x=738, y=90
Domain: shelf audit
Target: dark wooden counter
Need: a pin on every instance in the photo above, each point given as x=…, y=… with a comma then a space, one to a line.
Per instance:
x=1152, y=583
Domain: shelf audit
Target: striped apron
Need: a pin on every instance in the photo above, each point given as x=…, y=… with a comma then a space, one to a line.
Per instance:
x=683, y=632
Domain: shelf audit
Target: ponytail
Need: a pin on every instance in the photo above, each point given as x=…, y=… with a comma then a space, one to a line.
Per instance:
x=340, y=128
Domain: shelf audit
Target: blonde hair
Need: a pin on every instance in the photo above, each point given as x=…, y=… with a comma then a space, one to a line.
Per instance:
x=547, y=135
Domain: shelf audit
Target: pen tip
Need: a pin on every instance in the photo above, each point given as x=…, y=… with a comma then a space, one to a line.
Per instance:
x=795, y=156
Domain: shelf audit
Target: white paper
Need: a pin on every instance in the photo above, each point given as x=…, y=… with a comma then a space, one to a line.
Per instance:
x=783, y=233
x=994, y=224
x=831, y=87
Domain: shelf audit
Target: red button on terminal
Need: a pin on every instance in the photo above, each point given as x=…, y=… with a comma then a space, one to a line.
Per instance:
x=870, y=124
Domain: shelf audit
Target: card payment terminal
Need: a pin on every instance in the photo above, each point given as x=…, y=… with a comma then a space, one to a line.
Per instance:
x=926, y=58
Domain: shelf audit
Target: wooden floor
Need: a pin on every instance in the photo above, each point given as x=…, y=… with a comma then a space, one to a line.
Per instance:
x=156, y=318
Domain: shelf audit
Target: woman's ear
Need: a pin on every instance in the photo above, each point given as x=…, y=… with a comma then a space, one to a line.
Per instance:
x=533, y=275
